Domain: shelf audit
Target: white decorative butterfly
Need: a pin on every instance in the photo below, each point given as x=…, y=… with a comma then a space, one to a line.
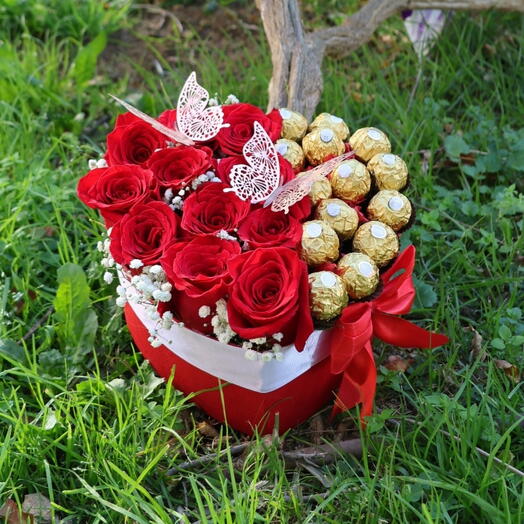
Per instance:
x=194, y=122
x=295, y=190
x=192, y=117
x=258, y=180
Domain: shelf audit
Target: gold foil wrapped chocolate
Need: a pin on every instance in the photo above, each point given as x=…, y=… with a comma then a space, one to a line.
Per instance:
x=350, y=180
x=320, y=190
x=359, y=273
x=391, y=208
x=389, y=171
x=327, y=295
x=321, y=143
x=334, y=122
x=376, y=240
x=291, y=151
x=294, y=125
x=369, y=141
x=319, y=243
x=341, y=217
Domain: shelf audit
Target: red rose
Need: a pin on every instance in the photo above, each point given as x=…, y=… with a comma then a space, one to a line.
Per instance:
x=199, y=267
x=114, y=190
x=209, y=209
x=270, y=294
x=175, y=167
x=240, y=118
x=265, y=228
x=168, y=118
x=132, y=141
x=198, y=271
x=144, y=233
x=225, y=165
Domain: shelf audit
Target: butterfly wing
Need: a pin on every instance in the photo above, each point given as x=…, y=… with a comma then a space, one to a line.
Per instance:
x=295, y=190
x=173, y=134
x=258, y=180
x=193, y=119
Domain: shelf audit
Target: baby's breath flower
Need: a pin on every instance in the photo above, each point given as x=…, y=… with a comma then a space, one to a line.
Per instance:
x=136, y=263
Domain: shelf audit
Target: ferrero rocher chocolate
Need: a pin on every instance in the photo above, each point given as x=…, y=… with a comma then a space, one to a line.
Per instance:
x=389, y=171
x=291, y=151
x=359, y=273
x=319, y=242
x=376, y=240
x=327, y=295
x=369, y=141
x=391, y=208
x=334, y=122
x=350, y=180
x=321, y=143
x=320, y=190
x=341, y=217
x=294, y=125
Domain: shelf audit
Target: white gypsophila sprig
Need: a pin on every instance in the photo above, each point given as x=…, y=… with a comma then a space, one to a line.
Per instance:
x=220, y=323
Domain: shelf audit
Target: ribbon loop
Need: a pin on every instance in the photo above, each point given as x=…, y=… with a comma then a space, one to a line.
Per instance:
x=351, y=351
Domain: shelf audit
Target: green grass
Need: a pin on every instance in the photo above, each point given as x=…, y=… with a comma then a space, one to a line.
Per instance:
x=96, y=432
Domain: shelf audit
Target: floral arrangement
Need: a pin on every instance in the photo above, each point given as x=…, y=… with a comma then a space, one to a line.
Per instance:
x=258, y=230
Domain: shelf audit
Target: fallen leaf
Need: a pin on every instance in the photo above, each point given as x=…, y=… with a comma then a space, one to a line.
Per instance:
x=11, y=514
x=206, y=429
x=476, y=345
x=510, y=370
x=36, y=505
x=397, y=363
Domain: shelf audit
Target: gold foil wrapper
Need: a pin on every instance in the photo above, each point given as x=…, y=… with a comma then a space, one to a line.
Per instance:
x=292, y=152
x=369, y=141
x=319, y=243
x=294, y=125
x=389, y=171
x=350, y=180
x=378, y=241
x=321, y=143
x=341, y=217
x=320, y=190
x=327, y=295
x=391, y=208
x=359, y=273
x=334, y=122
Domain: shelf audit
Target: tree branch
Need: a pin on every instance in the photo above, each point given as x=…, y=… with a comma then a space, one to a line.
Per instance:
x=297, y=56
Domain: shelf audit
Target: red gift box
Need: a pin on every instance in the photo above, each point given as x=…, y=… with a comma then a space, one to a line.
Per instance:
x=247, y=394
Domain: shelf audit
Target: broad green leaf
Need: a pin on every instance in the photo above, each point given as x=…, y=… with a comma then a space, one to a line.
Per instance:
x=455, y=145
x=516, y=159
x=77, y=322
x=498, y=343
x=84, y=66
x=504, y=333
x=426, y=296
x=12, y=351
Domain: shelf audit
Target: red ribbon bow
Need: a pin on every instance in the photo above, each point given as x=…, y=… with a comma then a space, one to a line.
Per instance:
x=351, y=351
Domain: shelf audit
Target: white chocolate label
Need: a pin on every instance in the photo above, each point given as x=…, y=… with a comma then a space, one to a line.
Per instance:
x=344, y=170
x=395, y=203
x=282, y=148
x=313, y=230
x=389, y=159
x=328, y=279
x=335, y=119
x=365, y=269
x=375, y=134
x=285, y=113
x=378, y=231
x=326, y=135
x=333, y=210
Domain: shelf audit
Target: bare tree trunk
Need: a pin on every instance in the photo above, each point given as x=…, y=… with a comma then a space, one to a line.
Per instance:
x=297, y=55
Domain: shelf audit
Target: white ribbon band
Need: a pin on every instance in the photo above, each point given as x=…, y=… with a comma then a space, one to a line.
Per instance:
x=229, y=362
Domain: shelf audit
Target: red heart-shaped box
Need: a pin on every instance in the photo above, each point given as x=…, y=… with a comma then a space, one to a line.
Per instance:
x=245, y=394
